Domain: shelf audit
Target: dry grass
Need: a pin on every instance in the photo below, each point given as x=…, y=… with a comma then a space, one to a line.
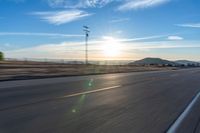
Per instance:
x=13, y=70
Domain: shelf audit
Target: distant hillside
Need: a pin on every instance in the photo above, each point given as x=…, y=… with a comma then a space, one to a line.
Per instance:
x=152, y=61
x=187, y=62
x=75, y=62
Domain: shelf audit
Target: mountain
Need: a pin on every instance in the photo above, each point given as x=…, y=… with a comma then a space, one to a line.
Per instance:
x=153, y=61
x=187, y=62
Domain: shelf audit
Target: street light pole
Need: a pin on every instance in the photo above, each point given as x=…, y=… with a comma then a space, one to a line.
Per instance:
x=86, y=30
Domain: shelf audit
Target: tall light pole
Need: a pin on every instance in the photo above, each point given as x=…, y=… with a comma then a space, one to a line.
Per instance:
x=86, y=30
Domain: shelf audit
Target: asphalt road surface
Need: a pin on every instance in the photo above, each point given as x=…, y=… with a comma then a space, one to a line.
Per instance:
x=143, y=102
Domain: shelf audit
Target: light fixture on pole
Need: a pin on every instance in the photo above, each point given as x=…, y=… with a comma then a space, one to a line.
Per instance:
x=86, y=30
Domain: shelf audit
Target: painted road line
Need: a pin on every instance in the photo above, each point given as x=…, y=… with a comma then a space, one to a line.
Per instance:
x=67, y=96
x=92, y=91
x=187, y=117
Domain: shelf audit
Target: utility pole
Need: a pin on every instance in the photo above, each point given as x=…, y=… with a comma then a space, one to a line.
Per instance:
x=86, y=30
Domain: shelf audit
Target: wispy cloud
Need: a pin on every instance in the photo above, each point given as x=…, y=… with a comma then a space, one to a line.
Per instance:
x=62, y=17
x=57, y=3
x=119, y=20
x=138, y=4
x=174, y=38
x=119, y=32
x=142, y=38
x=123, y=4
x=79, y=3
x=75, y=50
x=190, y=25
x=169, y=45
x=93, y=3
x=39, y=34
x=127, y=40
x=64, y=50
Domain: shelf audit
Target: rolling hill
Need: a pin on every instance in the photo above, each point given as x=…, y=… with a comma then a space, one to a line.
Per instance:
x=153, y=61
x=159, y=61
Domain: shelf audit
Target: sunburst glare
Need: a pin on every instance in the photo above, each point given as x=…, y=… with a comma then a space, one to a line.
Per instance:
x=111, y=47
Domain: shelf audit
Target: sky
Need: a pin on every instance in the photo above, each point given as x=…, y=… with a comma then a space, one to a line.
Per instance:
x=119, y=29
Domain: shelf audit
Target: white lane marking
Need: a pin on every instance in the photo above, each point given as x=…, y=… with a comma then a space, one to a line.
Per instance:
x=92, y=91
x=181, y=118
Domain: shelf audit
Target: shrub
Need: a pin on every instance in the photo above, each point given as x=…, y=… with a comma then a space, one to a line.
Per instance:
x=1, y=56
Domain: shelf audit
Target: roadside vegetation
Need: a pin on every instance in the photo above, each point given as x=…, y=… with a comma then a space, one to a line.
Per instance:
x=1, y=56
x=12, y=70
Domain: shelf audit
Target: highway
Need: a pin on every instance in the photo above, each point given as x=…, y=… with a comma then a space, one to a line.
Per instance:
x=142, y=102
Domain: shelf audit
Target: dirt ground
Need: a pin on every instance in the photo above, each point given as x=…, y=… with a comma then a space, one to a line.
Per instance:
x=15, y=70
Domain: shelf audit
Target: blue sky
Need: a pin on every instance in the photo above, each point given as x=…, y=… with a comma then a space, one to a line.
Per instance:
x=168, y=29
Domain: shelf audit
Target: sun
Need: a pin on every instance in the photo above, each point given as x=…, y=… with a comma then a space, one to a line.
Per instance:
x=111, y=47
